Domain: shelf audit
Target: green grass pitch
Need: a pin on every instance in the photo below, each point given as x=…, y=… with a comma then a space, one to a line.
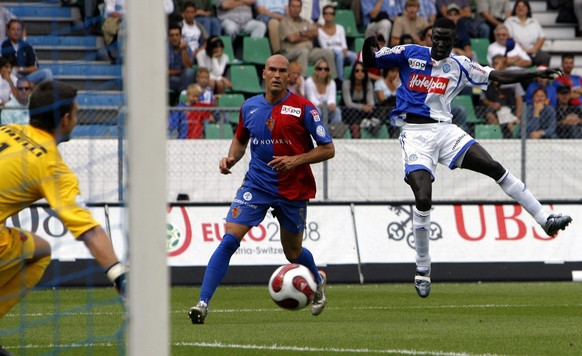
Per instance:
x=457, y=319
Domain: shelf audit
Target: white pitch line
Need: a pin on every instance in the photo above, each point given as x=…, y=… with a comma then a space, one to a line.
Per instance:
x=277, y=310
x=276, y=347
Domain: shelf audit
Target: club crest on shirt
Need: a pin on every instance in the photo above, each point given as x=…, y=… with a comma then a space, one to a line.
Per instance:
x=270, y=124
x=290, y=110
x=446, y=68
x=320, y=131
x=315, y=115
x=236, y=211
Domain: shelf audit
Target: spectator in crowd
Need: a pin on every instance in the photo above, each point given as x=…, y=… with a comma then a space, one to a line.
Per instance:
x=427, y=10
x=190, y=124
x=114, y=14
x=528, y=32
x=193, y=33
x=22, y=54
x=296, y=81
x=426, y=36
x=358, y=96
x=237, y=16
x=545, y=83
x=503, y=101
x=203, y=80
x=572, y=80
x=377, y=15
x=271, y=12
x=297, y=37
x=462, y=46
x=312, y=9
x=16, y=109
x=493, y=13
x=517, y=58
x=568, y=116
x=214, y=58
x=385, y=88
x=206, y=15
x=5, y=17
x=321, y=90
x=409, y=23
x=180, y=72
x=540, y=117
x=332, y=36
x=7, y=81
x=476, y=26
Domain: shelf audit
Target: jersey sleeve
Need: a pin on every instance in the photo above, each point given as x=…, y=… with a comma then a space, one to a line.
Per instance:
x=315, y=126
x=242, y=133
x=477, y=75
x=389, y=57
x=62, y=192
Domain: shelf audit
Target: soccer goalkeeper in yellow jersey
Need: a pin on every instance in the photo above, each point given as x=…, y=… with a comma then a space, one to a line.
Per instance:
x=31, y=168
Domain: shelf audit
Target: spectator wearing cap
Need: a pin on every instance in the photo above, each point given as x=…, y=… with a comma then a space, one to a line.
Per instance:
x=568, y=116
x=409, y=23
x=462, y=44
x=541, y=83
x=517, y=58
x=528, y=32
x=569, y=78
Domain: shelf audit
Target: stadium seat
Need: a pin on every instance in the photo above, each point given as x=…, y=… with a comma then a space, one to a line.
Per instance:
x=479, y=46
x=218, y=131
x=466, y=101
x=256, y=50
x=358, y=44
x=347, y=72
x=347, y=19
x=488, y=132
x=229, y=49
x=244, y=79
x=231, y=101
x=383, y=133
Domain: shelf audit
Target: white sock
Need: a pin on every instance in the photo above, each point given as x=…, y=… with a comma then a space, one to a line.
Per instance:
x=519, y=192
x=421, y=230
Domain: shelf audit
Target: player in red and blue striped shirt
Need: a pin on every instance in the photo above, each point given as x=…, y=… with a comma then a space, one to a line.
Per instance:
x=280, y=128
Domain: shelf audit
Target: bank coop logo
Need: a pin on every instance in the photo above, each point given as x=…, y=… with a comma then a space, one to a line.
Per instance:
x=402, y=230
x=428, y=84
x=178, y=239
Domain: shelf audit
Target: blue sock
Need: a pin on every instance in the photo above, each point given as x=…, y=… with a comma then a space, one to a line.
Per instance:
x=306, y=259
x=217, y=266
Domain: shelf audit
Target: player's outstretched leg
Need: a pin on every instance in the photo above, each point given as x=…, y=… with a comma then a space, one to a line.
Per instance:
x=555, y=223
x=319, y=300
x=421, y=230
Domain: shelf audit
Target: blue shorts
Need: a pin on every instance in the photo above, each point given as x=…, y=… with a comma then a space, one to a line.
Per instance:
x=251, y=205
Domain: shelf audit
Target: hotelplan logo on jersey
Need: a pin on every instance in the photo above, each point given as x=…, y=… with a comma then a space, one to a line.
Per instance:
x=428, y=84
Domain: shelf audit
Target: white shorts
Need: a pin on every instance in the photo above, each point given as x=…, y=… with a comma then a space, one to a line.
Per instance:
x=425, y=145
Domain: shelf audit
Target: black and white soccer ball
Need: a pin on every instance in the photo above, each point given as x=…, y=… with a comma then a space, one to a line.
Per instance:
x=292, y=286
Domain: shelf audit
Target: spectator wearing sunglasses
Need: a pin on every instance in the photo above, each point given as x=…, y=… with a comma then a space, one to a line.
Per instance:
x=16, y=109
x=333, y=36
x=321, y=90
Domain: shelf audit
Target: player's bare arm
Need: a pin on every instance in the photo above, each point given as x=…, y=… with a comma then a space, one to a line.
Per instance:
x=318, y=154
x=514, y=76
x=235, y=153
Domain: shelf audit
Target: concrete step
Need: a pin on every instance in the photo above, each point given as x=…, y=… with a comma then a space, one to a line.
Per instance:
x=561, y=33
x=572, y=45
x=47, y=53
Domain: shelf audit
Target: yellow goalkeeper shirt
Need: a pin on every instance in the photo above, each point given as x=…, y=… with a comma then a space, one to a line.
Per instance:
x=31, y=168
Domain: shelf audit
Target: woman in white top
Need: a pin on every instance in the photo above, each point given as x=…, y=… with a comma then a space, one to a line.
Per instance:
x=385, y=88
x=528, y=32
x=320, y=89
x=333, y=36
x=214, y=58
x=7, y=81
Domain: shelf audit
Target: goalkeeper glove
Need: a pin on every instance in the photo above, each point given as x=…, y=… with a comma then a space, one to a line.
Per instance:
x=116, y=275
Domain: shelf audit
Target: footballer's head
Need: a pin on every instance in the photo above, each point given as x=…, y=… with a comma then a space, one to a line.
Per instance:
x=53, y=108
x=275, y=74
x=443, y=38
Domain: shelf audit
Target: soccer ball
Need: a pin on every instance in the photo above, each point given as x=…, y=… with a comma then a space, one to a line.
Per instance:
x=292, y=286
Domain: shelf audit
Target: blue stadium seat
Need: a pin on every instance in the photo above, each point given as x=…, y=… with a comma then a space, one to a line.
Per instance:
x=63, y=41
x=93, y=99
x=41, y=11
x=85, y=70
x=95, y=131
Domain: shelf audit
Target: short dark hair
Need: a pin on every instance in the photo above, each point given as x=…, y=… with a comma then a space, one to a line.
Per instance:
x=49, y=102
x=5, y=61
x=174, y=26
x=444, y=22
x=15, y=21
x=188, y=4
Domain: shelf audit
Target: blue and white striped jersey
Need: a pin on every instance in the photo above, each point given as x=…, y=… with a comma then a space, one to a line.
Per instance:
x=429, y=86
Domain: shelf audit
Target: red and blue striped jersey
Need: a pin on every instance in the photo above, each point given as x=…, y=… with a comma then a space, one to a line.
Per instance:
x=285, y=128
